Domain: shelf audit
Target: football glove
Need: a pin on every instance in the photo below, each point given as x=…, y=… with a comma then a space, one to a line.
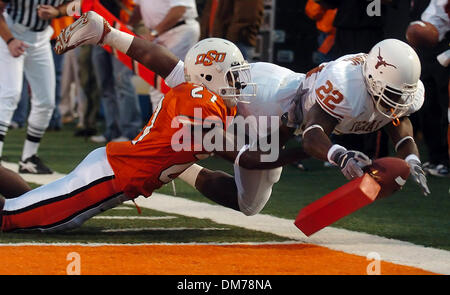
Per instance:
x=350, y=162
x=418, y=175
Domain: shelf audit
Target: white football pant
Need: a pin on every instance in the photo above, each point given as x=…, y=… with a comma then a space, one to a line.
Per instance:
x=254, y=187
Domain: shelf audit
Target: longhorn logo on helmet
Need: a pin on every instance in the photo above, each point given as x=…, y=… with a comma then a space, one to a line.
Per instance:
x=381, y=61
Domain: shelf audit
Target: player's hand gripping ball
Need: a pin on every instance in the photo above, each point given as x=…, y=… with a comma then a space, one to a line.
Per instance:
x=390, y=173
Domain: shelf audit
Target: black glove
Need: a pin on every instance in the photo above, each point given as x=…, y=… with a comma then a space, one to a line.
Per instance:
x=351, y=162
x=418, y=175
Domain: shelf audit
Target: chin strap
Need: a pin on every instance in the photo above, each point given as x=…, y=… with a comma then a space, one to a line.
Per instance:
x=395, y=121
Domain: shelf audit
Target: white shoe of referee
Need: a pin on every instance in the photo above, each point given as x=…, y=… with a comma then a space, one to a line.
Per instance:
x=90, y=28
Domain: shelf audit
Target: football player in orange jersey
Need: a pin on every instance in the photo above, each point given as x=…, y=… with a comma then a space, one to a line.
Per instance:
x=122, y=171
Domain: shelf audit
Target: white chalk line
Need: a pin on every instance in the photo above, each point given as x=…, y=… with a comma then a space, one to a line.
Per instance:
x=138, y=229
x=134, y=217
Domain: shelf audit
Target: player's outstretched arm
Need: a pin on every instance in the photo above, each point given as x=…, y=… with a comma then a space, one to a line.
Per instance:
x=316, y=142
x=406, y=148
x=402, y=138
x=269, y=155
x=318, y=128
x=154, y=57
x=253, y=160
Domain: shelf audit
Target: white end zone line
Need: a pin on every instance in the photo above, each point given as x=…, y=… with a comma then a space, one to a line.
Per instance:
x=119, y=230
x=134, y=217
x=89, y=245
x=390, y=250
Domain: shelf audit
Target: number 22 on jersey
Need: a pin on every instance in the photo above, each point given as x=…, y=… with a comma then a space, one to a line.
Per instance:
x=328, y=95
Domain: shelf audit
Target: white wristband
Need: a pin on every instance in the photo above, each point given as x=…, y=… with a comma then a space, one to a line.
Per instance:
x=176, y=76
x=241, y=151
x=331, y=151
x=119, y=40
x=310, y=128
x=402, y=140
x=412, y=157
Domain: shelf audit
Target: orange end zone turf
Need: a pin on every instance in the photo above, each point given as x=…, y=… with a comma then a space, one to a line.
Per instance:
x=337, y=204
x=273, y=259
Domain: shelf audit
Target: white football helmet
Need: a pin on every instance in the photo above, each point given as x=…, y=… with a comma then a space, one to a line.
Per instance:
x=219, y=65
x=392, y=71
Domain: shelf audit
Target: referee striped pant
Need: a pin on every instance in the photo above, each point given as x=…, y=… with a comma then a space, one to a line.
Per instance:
x=67, y=202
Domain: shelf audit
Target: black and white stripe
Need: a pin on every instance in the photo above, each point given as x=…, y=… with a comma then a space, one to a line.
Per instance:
x=3, y=130
x=34, y=133
x=24, y=12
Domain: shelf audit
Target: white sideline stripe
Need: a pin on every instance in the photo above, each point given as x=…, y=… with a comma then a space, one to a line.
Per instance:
x=358, y=243
x=119, y=230
x=135, y=217
x=390, y=250
x=148, y=244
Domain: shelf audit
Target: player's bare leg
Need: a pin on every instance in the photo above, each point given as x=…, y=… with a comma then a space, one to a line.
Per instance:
x=12, y=185
x=92, y=28
x=217, y=186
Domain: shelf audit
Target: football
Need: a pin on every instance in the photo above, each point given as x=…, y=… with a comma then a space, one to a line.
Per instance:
x=422, y=34
x=391, y=173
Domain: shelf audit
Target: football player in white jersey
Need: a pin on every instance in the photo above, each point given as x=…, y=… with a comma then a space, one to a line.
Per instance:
x=355, y=94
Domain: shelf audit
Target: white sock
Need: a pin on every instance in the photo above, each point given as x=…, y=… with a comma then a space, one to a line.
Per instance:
x=118, y=40
x=1, y=148
x=190, y=174
x=29, y=148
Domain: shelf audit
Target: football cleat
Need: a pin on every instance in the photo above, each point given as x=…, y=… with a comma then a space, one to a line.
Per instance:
x=90, y=28
x=439, y=170
x=99, y=139
x=33, y=165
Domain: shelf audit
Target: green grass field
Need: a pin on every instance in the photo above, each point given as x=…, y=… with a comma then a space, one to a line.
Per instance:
x=105, y=228
x=406, y=215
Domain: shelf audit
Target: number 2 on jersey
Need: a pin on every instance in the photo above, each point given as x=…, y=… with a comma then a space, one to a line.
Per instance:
x=329, y=96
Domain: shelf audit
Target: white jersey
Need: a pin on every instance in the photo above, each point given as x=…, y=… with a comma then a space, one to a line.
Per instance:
x=276, y=90
x=339, y=88
x=275, y=94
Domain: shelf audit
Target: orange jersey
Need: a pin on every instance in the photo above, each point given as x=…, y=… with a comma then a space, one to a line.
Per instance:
x=150, y=160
